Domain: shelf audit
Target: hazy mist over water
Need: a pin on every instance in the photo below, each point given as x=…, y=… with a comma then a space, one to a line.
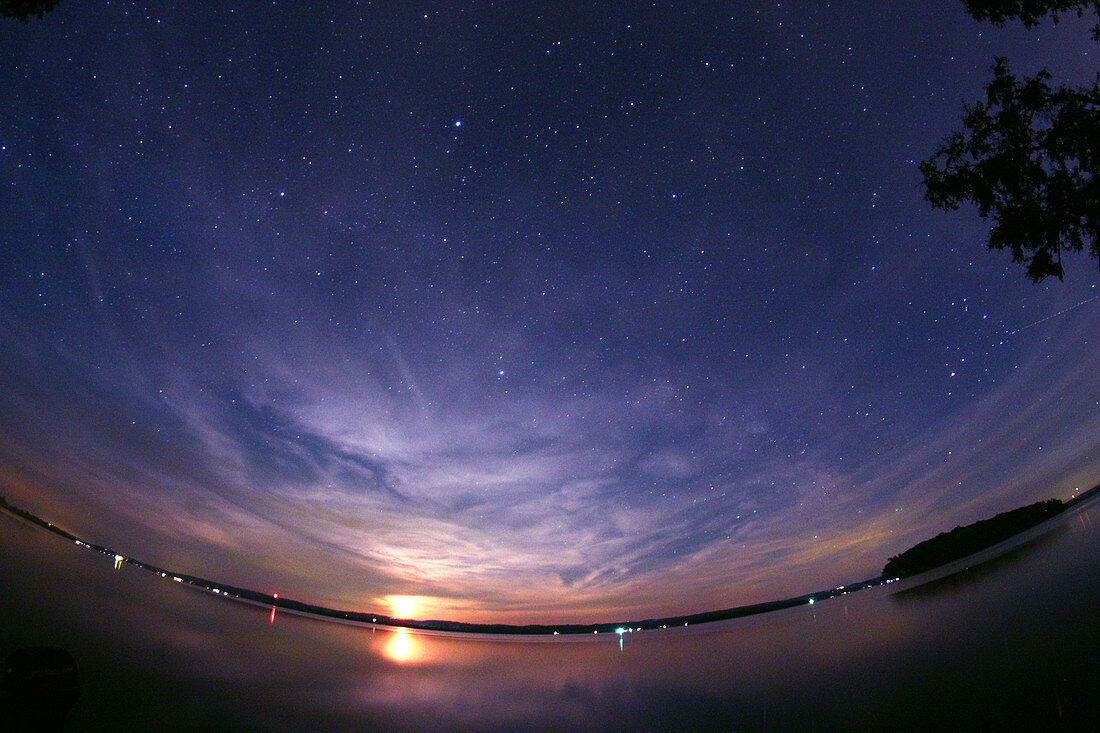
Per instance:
x=1012, y=642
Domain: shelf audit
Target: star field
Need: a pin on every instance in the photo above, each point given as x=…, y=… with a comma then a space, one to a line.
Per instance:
x=520, y=312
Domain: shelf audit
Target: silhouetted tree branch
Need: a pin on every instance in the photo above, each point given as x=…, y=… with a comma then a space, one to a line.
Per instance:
x=1030, y=12
x=23, y=9
x=1026, y=157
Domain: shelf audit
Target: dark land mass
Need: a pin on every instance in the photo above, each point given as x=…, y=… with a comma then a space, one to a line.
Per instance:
x=947, y=547
x=979, y=570
x=293, y=606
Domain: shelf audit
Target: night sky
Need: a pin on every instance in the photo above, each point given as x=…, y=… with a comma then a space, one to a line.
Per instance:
x=528, y=314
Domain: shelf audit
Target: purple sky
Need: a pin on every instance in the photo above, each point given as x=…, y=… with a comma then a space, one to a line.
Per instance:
x=526, y=314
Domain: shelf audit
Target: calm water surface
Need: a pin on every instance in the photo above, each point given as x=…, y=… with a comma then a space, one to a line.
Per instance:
x=1013, y=642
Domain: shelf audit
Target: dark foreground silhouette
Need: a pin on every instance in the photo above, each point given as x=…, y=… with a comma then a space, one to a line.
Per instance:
x=40, y=686
x=947, y=547
x=24, y=9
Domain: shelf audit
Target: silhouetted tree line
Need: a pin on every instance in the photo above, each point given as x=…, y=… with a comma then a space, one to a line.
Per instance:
x=962, y=541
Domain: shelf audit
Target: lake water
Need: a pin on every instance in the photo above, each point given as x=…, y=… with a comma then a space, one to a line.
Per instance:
x=1013, y=643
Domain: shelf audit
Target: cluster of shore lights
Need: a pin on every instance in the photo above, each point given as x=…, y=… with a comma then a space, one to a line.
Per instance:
x=404, y=607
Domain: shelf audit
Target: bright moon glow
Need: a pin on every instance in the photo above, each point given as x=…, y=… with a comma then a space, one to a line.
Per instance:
x=403, y=606
x=564, y=364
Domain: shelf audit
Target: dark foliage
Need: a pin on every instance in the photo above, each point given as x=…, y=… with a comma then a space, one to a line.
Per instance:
x=24, y=9
x=1026, y=157
x=1028, y=12
x=962, y=541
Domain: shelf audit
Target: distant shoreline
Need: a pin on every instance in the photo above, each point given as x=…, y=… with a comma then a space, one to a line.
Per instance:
x=374, y=619
x=962, y=542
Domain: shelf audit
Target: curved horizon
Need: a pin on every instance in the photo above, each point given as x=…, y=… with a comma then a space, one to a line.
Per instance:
x=610, y=312
x=276, y=601
x=292, y=605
